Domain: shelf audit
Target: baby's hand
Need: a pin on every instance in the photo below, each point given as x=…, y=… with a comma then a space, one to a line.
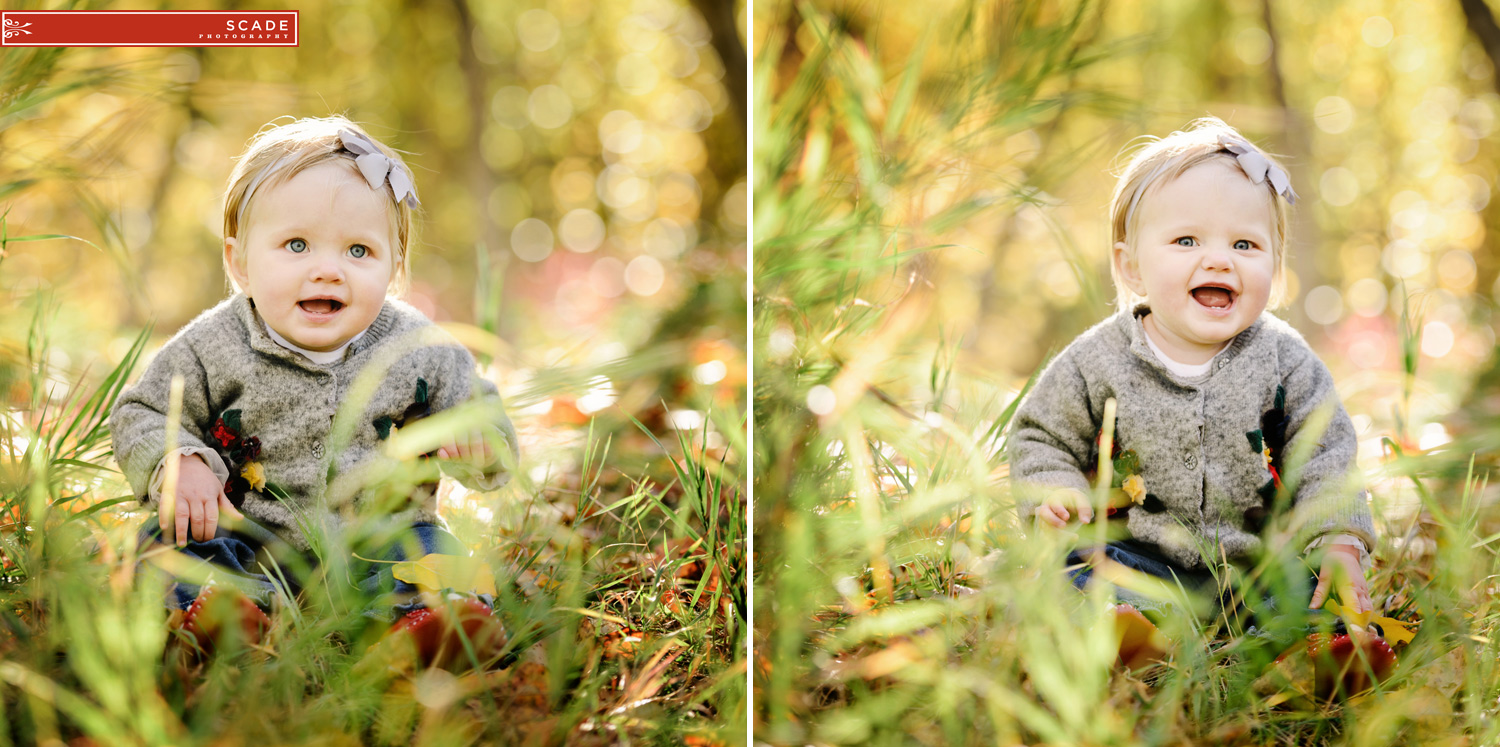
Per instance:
x=200, y=498
x=468, y=447
x=1341, y=570
x=1055, y=510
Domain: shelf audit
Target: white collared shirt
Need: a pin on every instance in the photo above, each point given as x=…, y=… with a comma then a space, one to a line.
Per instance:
x=322, y=359
x=1184, y=370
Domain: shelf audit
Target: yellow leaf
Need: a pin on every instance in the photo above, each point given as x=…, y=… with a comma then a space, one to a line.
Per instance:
x=1349, y=615
x=1396, y=631
x=435, y=572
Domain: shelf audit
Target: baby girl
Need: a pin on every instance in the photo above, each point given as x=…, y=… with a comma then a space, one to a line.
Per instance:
x=1213, y=393
x=317, y=230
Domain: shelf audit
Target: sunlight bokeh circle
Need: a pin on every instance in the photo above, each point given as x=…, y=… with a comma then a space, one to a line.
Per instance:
x=821, y=400
x=531, y=240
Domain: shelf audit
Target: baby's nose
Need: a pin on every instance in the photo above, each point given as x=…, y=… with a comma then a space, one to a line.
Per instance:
x=1217, y=257
x=327, y=270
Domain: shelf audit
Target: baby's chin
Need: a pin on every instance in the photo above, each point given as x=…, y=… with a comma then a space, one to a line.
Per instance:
x=315, y=343
x=1222, y=329
x=1217, y=334
x=1206, y=330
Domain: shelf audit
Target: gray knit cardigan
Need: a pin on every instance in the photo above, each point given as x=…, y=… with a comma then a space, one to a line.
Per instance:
x=1193, y=437
x=228, y=362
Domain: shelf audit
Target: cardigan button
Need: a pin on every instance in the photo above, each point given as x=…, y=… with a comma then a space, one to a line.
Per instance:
x=317, y=450
x=1190, y=460
x=1224, y=361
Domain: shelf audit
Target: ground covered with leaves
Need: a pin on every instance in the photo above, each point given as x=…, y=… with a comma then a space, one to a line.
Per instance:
x=966, y=647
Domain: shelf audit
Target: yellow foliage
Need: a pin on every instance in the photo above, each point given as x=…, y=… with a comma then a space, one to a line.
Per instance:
x=1396, y=631
x=435, y=572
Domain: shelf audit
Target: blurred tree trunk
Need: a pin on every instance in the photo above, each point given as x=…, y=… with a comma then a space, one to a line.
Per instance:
x=476, y=87
x=1481, y=22
x=725, y=30
x=728, y=161
x=137, y=312
x=1303, y=233
x=1481, y=406
x=705, y=299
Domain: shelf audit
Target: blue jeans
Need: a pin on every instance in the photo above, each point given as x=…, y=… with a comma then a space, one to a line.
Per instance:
x=243, y=556
x=1147, y=558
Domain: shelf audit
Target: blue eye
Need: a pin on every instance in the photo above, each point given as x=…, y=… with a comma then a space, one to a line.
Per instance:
x=359, y=251
x=1242, y=245
x=297, y=245
x=1186, y=241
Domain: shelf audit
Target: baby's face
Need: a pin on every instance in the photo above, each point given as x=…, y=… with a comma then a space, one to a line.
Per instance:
x=1203, y=259
x=318, y=256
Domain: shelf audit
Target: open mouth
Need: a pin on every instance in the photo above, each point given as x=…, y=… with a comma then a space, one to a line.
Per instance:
x=320, y=305
x=1214, y=297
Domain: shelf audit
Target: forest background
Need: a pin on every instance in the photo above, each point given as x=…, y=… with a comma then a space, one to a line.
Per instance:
x=582, y=173
x=931, y=187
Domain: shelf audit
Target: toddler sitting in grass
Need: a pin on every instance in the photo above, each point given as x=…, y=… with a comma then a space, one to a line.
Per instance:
x=1213, y=393
x=317, y=230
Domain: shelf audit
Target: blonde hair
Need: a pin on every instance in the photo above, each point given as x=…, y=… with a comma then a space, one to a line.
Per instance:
x=279, y=152
x=1160, y=160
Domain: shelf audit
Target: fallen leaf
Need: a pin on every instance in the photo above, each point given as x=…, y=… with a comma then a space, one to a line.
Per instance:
x=564, y=411
x=1430, y=710
x=889, y=661
x=435, y=572
x=1396, y=631
x=1444, y=674
x=625, y=643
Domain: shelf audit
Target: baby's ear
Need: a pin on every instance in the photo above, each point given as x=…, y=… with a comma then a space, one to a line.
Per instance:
x=235, y=269
x=1126, y=269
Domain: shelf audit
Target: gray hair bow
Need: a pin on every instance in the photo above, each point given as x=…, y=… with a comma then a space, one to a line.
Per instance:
x=1258, y=167
x=377, y=168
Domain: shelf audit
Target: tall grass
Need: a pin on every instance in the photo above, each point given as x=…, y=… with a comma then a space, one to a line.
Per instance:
x=623, y=602
x=898, y=600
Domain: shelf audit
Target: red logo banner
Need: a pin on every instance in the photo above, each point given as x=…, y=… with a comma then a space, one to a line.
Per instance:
x=149, y=28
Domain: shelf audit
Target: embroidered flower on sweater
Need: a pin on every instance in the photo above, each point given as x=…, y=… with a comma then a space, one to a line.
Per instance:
x=222, y=434
x=420, y=408
x=1270, y=440
x=385, y=426
x=254, y=474
x=1128, y=486
x=248, y=449
x=239, y=454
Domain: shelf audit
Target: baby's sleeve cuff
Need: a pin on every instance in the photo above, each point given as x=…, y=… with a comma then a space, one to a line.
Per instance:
x=1342, y=539
x=211, y=457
